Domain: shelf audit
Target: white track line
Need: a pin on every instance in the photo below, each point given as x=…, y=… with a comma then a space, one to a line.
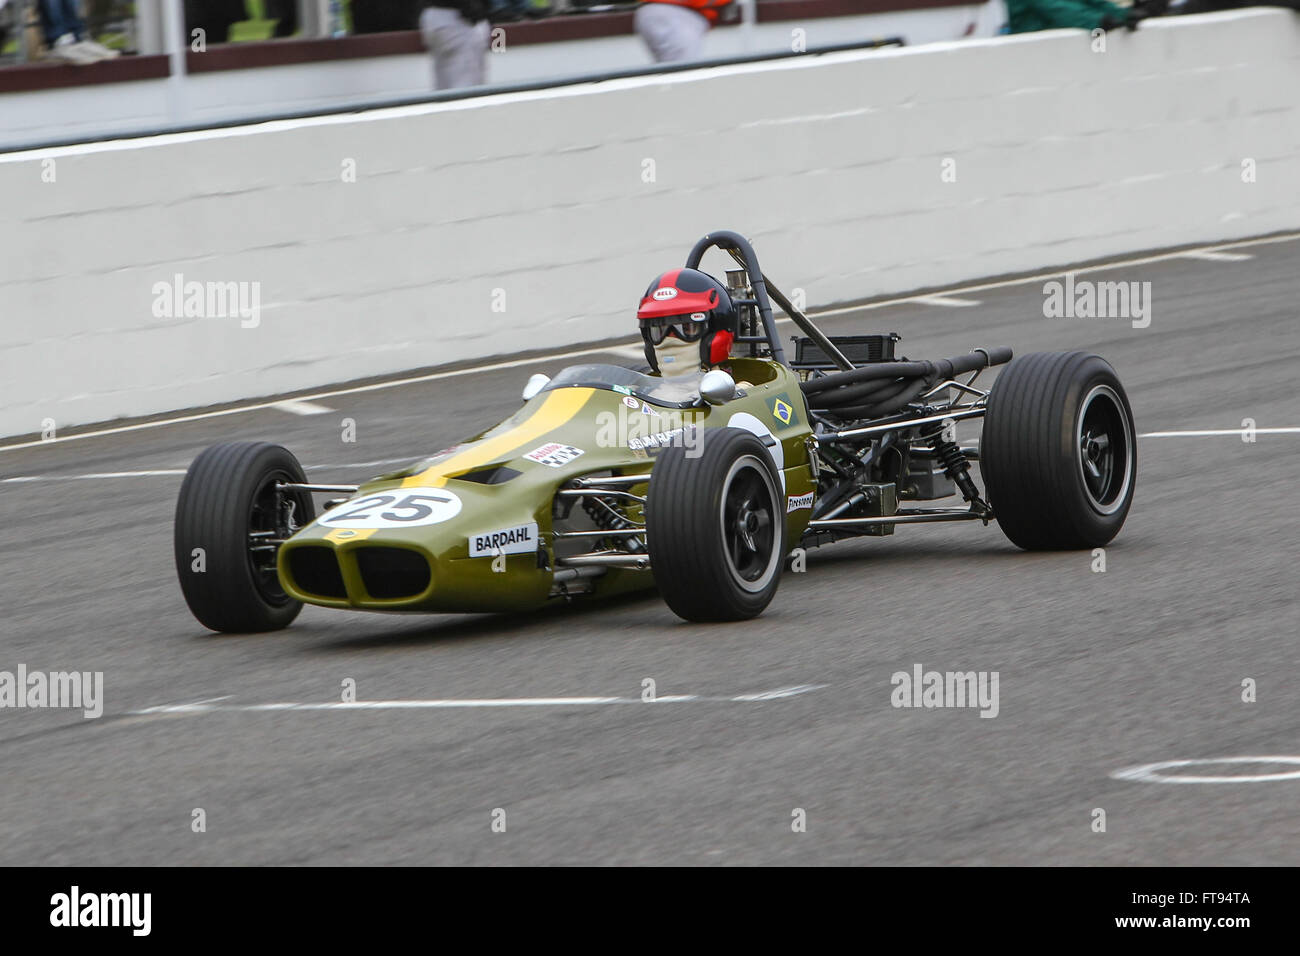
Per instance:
x=214, y=705
x=781, y=692
x=946, y=301
x=298, y=407
x=1236, y=432
x=560, y=356
x=1208, y=255
x=93, y=475
x=1155, y=772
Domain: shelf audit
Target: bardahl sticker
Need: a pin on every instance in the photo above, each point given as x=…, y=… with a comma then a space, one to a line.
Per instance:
x=519, y=539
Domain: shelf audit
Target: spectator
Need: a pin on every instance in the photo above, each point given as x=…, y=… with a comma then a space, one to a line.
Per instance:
x=383, y=16
x=675, y=29
x=214, y=18
x=1026, y=16
x=65, y=34
x=456, y=33
x=285, y=15
x=506, y=11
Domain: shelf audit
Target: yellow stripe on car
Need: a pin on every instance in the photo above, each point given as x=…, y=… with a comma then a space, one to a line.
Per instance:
x=558, y=408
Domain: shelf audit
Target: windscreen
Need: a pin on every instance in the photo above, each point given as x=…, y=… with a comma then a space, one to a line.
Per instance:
x=682, y=391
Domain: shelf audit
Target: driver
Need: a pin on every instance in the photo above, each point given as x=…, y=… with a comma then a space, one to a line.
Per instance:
x=687, y=322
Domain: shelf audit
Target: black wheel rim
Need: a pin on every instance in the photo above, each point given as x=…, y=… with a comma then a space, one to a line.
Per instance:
x=273, y=517
x=749, y=523
x=1104, y=443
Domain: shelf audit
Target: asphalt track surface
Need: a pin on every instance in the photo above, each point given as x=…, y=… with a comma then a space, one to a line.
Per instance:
x=1098, y=671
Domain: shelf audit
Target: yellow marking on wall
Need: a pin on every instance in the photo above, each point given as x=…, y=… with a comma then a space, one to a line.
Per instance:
x=559, y=407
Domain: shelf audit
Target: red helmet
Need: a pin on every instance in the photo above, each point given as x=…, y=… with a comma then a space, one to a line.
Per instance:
x=690, y=306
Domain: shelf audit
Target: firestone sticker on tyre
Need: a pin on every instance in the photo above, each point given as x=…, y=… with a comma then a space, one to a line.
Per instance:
x=554, y=454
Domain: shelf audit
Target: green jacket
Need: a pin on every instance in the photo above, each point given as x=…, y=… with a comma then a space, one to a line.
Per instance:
x=1025, y=16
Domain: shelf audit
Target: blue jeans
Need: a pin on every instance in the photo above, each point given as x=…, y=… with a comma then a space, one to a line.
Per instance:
x=59, y=17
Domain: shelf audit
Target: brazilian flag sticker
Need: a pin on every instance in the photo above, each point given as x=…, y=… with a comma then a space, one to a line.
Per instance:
x=783, y=410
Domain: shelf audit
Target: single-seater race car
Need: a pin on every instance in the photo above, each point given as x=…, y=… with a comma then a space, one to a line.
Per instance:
x=703, y=484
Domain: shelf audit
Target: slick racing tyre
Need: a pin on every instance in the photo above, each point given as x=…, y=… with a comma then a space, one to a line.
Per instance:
x=229, y=521
x=715, y=527
x=1059, y=451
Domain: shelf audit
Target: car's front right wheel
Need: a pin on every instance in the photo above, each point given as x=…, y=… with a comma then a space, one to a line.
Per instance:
x=231, y=517
x=715, y=527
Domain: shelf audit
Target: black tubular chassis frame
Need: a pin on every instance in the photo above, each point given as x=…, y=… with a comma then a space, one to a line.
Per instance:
x=924, y=422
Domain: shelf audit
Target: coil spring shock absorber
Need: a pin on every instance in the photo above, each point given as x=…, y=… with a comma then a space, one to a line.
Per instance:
x=956, y=468
x=607, y=518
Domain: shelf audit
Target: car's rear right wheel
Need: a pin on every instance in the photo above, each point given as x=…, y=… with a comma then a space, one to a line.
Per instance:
x=1059, y=451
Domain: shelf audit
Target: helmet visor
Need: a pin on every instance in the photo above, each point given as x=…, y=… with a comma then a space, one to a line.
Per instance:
x=687, y=328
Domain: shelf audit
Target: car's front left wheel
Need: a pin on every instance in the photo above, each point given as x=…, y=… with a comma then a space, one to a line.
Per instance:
x=715, y=527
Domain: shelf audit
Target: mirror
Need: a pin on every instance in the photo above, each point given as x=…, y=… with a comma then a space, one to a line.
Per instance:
x=535, y=384
x=717, y=387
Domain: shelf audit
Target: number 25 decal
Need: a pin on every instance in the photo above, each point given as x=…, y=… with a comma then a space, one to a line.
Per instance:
x=402, y=508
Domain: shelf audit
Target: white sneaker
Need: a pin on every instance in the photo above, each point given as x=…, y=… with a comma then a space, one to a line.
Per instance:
x=67, y=49
x=98, y=50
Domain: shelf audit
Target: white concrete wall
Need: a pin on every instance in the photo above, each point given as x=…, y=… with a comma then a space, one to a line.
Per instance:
x=830, y=165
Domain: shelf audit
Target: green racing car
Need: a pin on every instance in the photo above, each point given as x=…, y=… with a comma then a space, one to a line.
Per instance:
x=700, y=474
